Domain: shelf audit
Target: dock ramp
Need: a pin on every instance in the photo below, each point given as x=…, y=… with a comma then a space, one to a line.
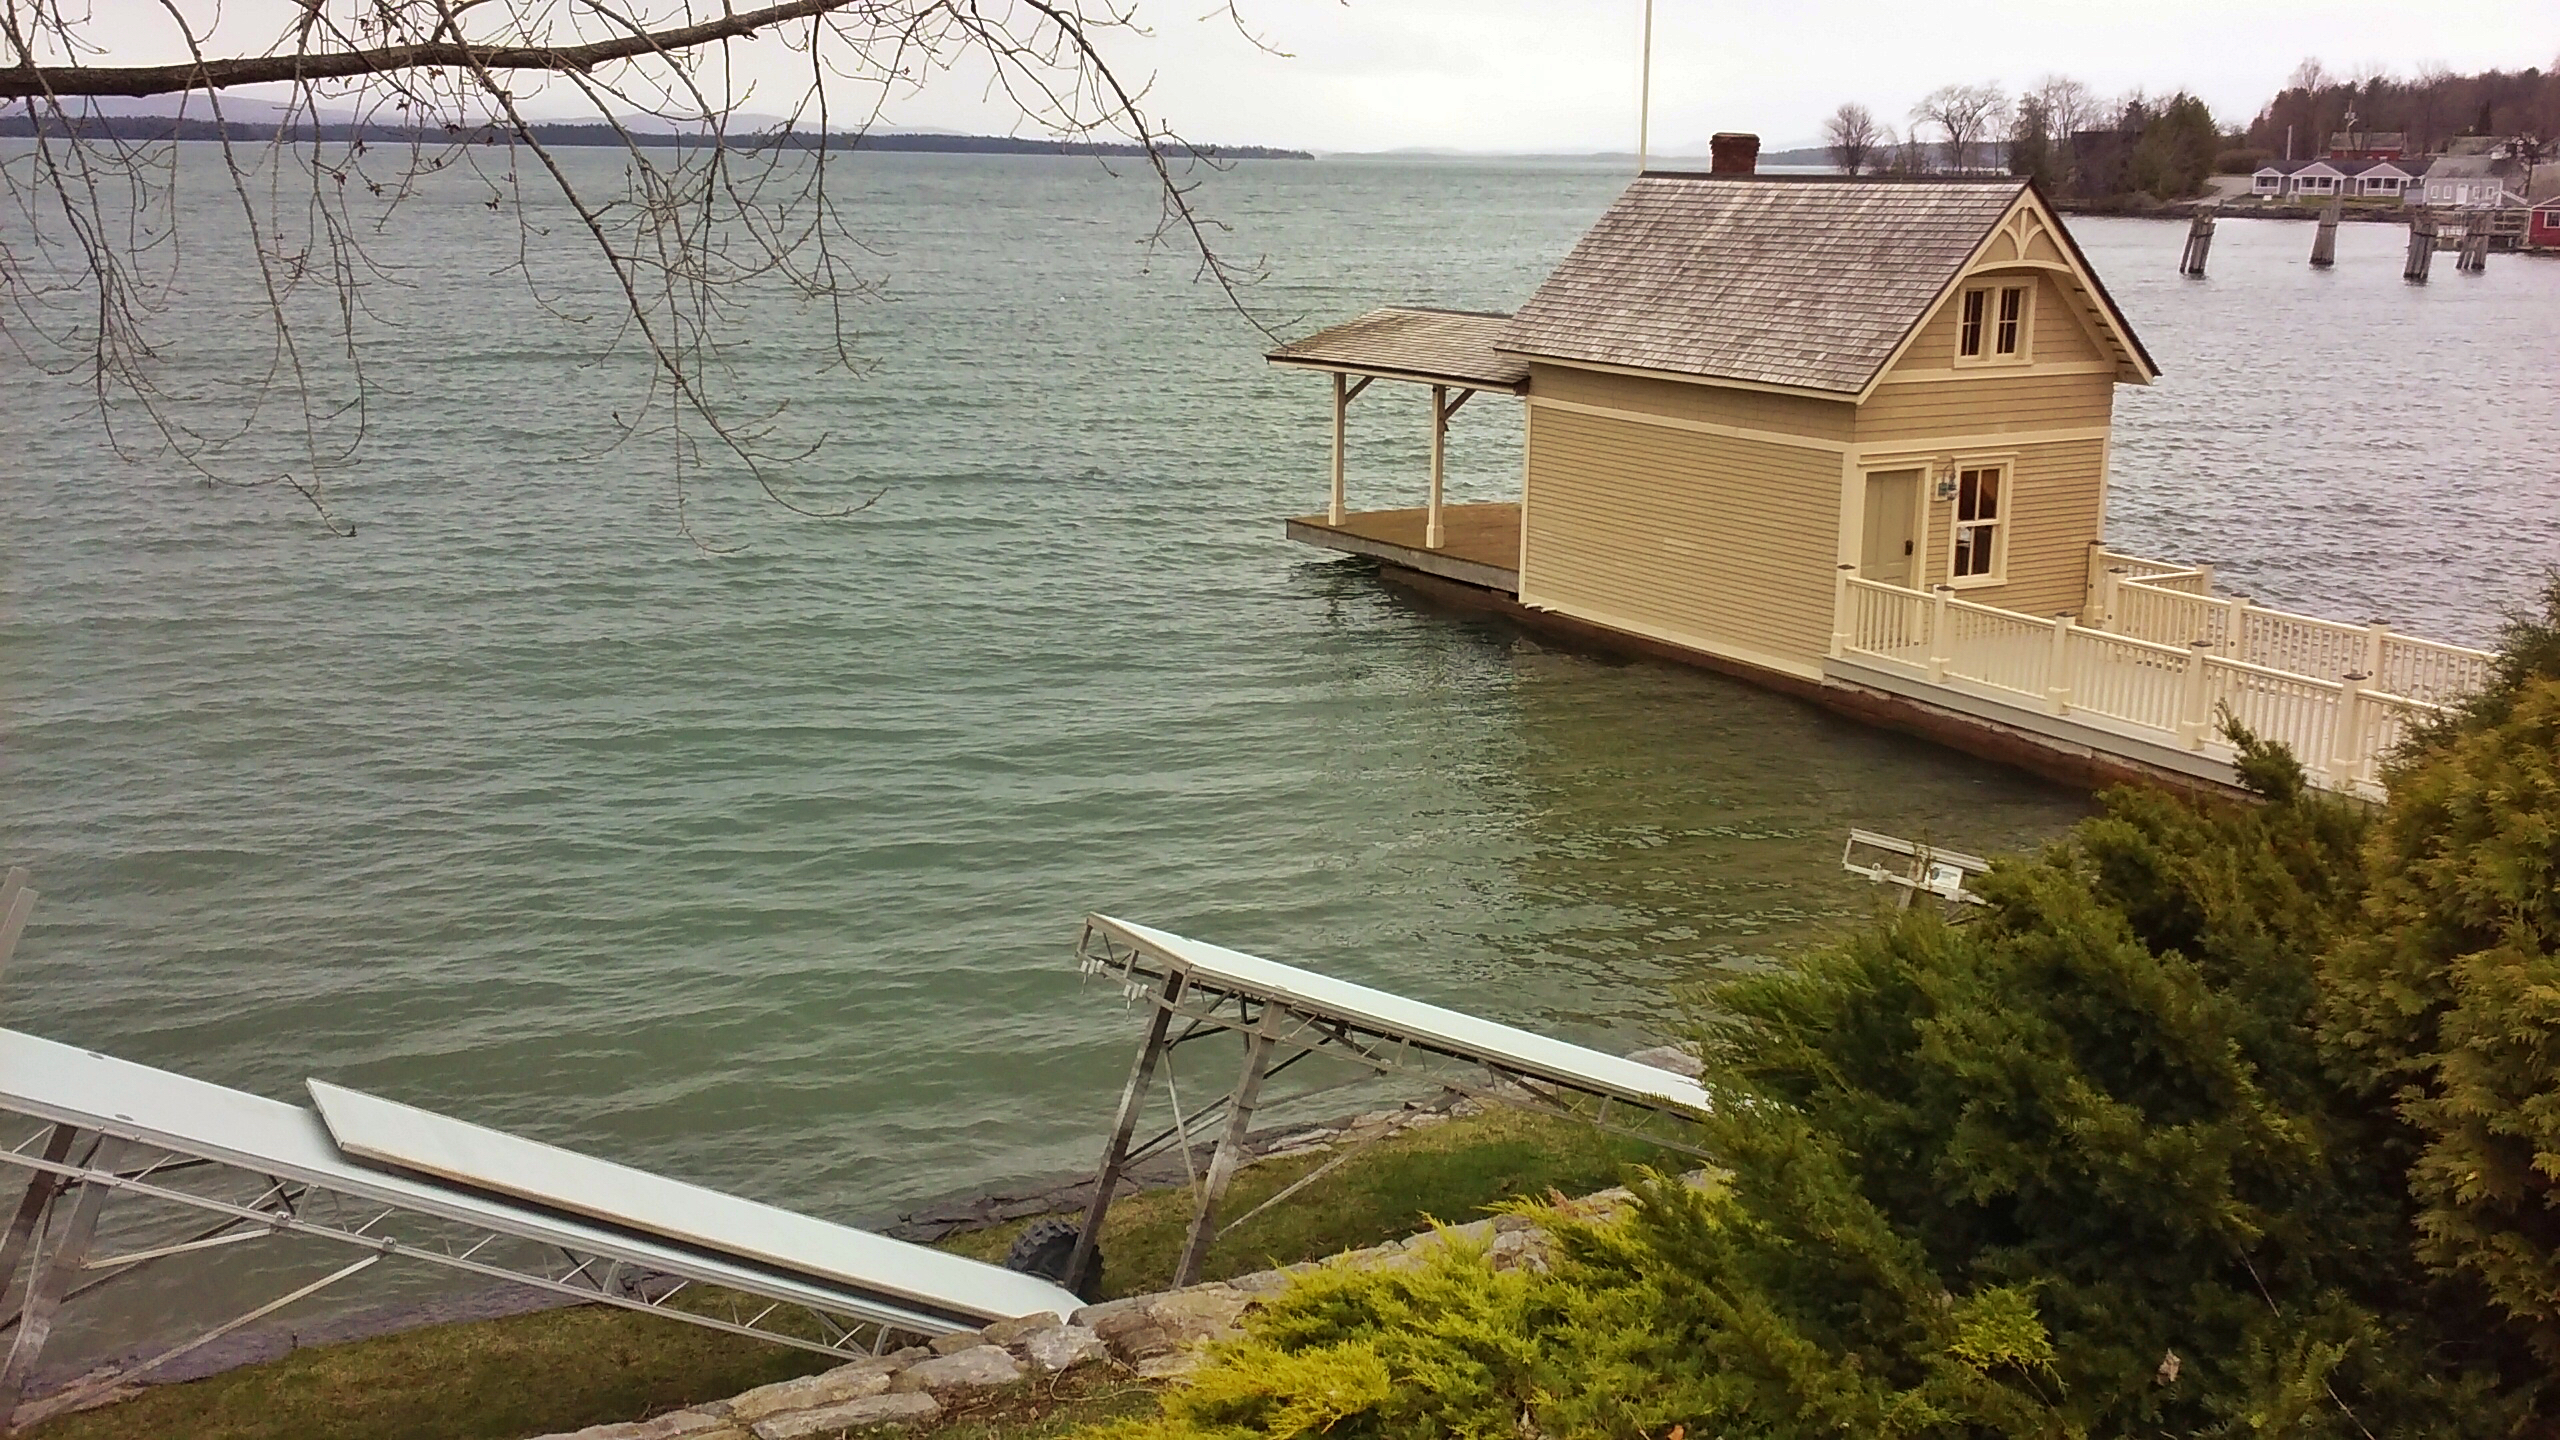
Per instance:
x=387, y=1181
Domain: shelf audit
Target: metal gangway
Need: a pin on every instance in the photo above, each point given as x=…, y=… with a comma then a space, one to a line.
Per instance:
x=384, y=1182
x=1284, y=1015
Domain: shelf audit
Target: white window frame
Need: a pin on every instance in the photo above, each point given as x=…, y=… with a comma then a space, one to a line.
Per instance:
x=1992, y=292
x=2004, y=517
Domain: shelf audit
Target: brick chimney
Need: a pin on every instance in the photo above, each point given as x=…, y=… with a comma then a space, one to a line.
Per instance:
x=1731, y=153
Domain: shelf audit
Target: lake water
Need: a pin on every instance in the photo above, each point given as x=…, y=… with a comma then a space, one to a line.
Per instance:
x=763, y=869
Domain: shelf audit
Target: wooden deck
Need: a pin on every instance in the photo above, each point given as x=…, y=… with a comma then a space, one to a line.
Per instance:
x=1482, y=541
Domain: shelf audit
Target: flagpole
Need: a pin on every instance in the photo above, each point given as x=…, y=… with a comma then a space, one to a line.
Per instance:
x=1644, y=92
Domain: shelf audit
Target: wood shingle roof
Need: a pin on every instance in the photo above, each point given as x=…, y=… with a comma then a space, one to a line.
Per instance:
x=1408, y=342
x=1809, y=285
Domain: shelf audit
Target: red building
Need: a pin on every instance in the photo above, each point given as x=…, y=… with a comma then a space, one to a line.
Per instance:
x=2543, y=231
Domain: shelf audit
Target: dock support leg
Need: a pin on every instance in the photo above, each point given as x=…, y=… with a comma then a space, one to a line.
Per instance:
x=17, y=901
x=45, y=1289
x=1115, y=1154
x=1222, y=1166
x=41, y=1186
x=1341, y=409
x=1431, y=533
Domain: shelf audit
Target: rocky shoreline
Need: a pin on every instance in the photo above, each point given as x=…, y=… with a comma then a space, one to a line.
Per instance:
x=1148, y=1337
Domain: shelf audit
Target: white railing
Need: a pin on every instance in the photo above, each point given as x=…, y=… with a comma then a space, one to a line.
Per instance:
x=2165, y=663
x=2393, y=664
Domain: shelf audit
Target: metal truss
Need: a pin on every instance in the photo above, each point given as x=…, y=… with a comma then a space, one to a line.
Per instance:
x=71, y=1172
x=1186, y=1007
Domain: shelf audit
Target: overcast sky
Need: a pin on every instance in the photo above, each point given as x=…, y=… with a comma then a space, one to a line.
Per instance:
x=1560, y=76
x=1538, y=75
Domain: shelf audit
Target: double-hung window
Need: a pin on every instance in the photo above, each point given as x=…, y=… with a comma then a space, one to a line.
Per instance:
x=1991, y=324
x=1979, y=512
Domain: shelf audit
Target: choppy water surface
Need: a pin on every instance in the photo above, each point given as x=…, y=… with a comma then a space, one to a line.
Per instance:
x=763, y=869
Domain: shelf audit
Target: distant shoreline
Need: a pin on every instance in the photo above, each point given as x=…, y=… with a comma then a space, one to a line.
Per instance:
x=149, y=129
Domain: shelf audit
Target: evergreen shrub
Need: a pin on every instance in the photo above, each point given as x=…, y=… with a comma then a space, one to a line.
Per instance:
x=2218, y=1119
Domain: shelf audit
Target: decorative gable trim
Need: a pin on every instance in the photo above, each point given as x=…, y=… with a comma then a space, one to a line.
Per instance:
x=2029, y=237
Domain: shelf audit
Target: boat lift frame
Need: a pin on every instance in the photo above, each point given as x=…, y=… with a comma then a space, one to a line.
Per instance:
x=1279, y=1031
x=1923, y=869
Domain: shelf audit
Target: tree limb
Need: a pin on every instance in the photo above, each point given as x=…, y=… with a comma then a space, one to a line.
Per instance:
x=27, y=82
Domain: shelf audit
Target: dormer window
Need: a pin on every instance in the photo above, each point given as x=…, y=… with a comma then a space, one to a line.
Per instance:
x=1991, y=324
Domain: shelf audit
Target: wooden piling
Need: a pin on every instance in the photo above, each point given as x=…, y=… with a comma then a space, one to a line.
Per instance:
x=2473, y=258
x=2422, y=248
x=2324, y=244
x=2199, y=242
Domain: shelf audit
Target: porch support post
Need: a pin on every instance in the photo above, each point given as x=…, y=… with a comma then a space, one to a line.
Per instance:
x=2107, y=596
x=2192, y=711
x=2057, y=672
x=1133, y=1100
x=2348, y=753
x=1341, y=407
x=1222, y=1166
x=1842, y=631
x=1431, y=535
x=2235, y=628
x=2377, y=637
x=1938, y=647
x=46, y=1285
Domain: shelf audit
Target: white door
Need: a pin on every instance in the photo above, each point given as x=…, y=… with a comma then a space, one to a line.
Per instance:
x=1893, y=510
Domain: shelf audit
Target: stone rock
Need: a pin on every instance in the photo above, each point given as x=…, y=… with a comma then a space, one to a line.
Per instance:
x=956, y=1341
x=909, y=1355
x=1062, y=1347
x=1519, y=1250
x=1171, y=1365
x=1264, y=1282
x=1131, y=1334
x=982, y=1368
x=1671, y=1058
x=1009, y=1333
x=674, y=1425
x=858, y=1381
x=1092, y=1317
x=903, y=1408
x=1203, y=1312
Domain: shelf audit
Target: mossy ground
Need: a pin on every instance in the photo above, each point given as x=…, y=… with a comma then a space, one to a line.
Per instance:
x=564, y=1369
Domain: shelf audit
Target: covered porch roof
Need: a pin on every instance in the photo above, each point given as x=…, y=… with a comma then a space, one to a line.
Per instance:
x=1404, y=342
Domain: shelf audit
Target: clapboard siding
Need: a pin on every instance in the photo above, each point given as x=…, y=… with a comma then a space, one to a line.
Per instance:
x=1709, y=404
x=1989, y=404
x=2055, y=515
x=1689, y=537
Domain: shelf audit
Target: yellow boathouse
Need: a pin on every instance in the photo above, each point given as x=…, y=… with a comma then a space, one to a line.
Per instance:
x=1850, y=438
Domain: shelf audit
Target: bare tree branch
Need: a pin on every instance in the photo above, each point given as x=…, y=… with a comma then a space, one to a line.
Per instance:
x=711, y=220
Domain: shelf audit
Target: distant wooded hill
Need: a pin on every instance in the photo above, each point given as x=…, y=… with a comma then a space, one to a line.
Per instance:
x=2429, y=108
x=150, y=128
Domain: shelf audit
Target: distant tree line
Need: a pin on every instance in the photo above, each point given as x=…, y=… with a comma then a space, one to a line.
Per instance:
x=2431, y=107
x=2078, y=145
x=17, y=122
x=2061, y=133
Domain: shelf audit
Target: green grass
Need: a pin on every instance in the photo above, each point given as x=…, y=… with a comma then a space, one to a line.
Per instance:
x=564, y=1369
x=1448, y=1172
